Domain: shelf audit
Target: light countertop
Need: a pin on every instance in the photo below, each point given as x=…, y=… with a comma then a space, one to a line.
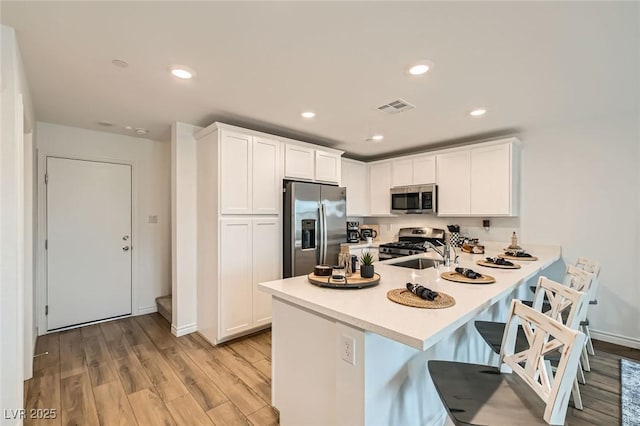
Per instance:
x=370, y=310
x=362, y=245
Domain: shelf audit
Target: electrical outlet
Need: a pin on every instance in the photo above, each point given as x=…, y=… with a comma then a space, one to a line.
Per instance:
x=348, y=349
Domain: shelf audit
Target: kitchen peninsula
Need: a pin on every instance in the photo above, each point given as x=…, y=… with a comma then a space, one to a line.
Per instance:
x=354, y=357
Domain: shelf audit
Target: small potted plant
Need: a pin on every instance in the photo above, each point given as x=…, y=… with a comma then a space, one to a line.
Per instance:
x=366, y=265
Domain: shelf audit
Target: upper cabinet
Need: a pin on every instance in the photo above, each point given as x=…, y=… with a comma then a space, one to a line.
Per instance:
x=495, y=180
x=379, y=186
x=355, y=178
x=299, y=162
x=479, y=181
x=249, y=171
x=414, y=170
x=328, y=166
x=306, y=163
x=424, y=169
x=266, y=177
x=454, y=183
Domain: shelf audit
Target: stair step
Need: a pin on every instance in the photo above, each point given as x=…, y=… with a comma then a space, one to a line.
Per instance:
x=164, y=307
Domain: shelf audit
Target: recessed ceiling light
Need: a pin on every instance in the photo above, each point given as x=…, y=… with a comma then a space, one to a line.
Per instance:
x=308, y=114
x=106, y=123
x=141, y=131
x=377, y=137
x=420, y=68
x=478, y=112
x=128, y=128
x=182, y=72
x=119, y=63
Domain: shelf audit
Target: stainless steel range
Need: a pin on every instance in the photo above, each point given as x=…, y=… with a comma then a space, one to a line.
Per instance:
x=411, y=241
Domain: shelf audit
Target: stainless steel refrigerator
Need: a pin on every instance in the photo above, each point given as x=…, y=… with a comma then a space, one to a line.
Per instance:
x=315, y=224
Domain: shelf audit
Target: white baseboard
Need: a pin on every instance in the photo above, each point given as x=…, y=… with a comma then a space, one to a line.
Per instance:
x=616, y=339
x=185, y=329
x=147, y=310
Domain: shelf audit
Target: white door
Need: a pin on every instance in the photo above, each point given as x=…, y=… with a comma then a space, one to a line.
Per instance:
x=88, y=241
x=491, y=180
x=379, y=185
x=235, y=173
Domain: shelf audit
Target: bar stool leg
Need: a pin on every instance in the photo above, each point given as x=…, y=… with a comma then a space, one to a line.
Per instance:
x=585, y=330
x=575, y=394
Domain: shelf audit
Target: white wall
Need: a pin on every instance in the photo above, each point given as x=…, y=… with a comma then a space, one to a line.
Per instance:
x=151, y=193
x=15, y=354
x=184, y=228
x=580, y=189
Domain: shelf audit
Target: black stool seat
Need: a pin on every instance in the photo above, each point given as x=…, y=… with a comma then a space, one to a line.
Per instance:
x=480, y=395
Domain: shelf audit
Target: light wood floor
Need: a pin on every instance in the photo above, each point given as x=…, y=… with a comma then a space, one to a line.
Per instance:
x=134, y=371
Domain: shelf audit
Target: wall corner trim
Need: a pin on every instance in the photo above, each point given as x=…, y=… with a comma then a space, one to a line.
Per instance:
x=183, y=330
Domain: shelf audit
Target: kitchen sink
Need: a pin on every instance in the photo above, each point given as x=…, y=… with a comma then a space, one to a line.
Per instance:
x=418, y=263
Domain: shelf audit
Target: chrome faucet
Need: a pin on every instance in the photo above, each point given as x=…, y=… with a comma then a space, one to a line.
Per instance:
x=444, y=252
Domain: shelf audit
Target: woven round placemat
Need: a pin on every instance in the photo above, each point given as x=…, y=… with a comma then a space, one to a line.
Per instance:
x=405, y=297
x=506, y=256
x=493, y=265
x=459, y=278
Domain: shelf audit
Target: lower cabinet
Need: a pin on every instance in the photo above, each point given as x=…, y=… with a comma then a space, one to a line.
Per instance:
x=249, y=254
x=266, y=265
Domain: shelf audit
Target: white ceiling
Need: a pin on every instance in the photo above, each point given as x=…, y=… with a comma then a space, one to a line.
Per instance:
x=259, y=64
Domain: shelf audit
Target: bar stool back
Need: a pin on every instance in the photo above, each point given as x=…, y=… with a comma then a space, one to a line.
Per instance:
x=535, y=394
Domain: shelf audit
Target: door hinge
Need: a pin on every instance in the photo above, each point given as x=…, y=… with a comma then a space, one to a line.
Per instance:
x=46, y=310
x=46, y=178
x=46, y=244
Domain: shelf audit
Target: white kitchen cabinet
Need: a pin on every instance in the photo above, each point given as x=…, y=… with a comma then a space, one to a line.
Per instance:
x=266, y=265
x=249, y=254
x=327, y=167
x=236, y=278
x=454, y=183
x=266, y=176
x=424, y=169
x=355, y=178
x=413, y=170
x=479, y=181
x=379, y=186
x=493, y=181
x=235, y=173
x=239, y=242
x=249, y=174
x=299, y=162
x=402, y=172
x=307, y=163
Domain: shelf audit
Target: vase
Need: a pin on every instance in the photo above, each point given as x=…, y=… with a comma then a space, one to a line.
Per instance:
x=366, y=271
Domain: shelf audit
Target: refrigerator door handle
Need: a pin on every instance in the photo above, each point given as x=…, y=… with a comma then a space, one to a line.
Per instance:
x=325, y=234
x=320, y=235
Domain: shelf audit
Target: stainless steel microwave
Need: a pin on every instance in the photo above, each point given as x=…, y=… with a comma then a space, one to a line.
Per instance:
x=417, y=199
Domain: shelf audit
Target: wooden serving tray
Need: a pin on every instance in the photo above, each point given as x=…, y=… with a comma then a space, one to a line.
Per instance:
x=493, y=265
x=459, y=278
x=354, y=281
x=505, y=256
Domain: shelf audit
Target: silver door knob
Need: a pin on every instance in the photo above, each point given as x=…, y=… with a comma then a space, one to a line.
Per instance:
x=125, y=248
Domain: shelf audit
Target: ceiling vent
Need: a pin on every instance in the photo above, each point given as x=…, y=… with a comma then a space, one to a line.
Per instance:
x=394, y=107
